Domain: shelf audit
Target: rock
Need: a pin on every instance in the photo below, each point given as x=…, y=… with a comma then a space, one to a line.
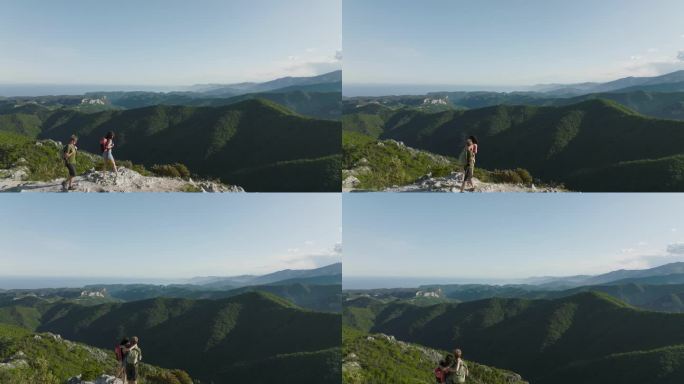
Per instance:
x=125, y=180
x=103, y=379
x=18, y=360
x=350, y=182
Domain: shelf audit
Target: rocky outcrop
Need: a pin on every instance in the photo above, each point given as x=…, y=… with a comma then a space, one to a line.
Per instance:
x=103, y=379
x=125, y=180
x=452, y=183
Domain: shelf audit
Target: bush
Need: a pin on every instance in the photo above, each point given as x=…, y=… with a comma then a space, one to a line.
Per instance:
x=511, y=176
x=129, y=164
x=171, y=170
x=175, y=376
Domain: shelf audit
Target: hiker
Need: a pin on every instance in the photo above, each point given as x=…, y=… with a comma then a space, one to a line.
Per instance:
x=121, y=351
x=443, y=369
x=457, y=371
x=470, y=153
x=133, y=357
x=106, y=145
x=69, y=157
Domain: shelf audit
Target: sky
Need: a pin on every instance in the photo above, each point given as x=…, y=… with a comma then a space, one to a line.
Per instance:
x=149, y=235
x=486, y=237
x=502, y=43
x=166, y=42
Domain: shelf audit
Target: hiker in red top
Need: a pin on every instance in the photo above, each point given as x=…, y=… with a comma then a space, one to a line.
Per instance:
x=106, y=145
x=120, y=351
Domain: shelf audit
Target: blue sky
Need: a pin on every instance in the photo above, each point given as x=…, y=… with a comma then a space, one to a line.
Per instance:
x=166, y=42
x=166, y=235
x=509, y=236
x=509, y=43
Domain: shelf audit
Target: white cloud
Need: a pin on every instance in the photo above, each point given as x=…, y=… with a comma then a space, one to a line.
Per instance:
x=338, y=55
x=676, y=249
x=309, y=256
x=673, y=229
x=652, y=50
x=635, y=57
x=630, y=258
x=680, y=55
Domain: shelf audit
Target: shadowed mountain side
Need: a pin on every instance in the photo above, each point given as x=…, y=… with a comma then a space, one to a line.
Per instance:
x=534, y=337
x=219, y=333
x=228, y=142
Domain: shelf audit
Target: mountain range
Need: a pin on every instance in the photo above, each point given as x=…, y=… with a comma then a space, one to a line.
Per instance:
x=259, y=145
x=598, y=331
x=285, y=138
x=284, y=325
x=594, y=145
x=548, y=341
x=588, y=137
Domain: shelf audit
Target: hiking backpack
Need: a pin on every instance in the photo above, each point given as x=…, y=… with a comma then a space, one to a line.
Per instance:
x=118, y=352
x=103, y=144
x=439, y=375
x=65, y=149
x=461, y=372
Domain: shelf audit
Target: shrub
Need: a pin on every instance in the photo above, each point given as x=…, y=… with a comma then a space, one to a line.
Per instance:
x=171, y=170
x=175, y=376
x=512, y=176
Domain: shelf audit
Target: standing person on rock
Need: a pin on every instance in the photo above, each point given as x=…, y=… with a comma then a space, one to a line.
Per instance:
x=106, y=145
x=133, y=358
x=69, y=157
x=470, y=153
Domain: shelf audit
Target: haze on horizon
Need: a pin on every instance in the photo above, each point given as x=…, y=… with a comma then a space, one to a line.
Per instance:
x=400, y=46
x=165, y=237
x=498, y=238
x=159, y=44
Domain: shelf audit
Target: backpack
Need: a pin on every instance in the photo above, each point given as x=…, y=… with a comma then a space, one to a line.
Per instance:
x=65, y=150
x=118, y=352
x=134, y=356
x=103, y=144
x=461, y=372
x=439, y=375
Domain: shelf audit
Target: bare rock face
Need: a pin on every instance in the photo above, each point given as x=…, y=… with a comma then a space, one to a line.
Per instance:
x=18, y=360
x=124, y=180
x=452, y=183
x=103, y=379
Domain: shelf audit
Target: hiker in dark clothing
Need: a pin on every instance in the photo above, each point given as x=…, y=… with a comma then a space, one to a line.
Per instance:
x=69, y=157
x=470, y=153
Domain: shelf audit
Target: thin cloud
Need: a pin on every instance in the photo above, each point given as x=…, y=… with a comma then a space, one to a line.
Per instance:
x=308, y=256
x=676, y=249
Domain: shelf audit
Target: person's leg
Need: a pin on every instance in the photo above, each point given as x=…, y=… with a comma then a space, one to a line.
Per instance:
x=104, y=165
x=114, y=165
